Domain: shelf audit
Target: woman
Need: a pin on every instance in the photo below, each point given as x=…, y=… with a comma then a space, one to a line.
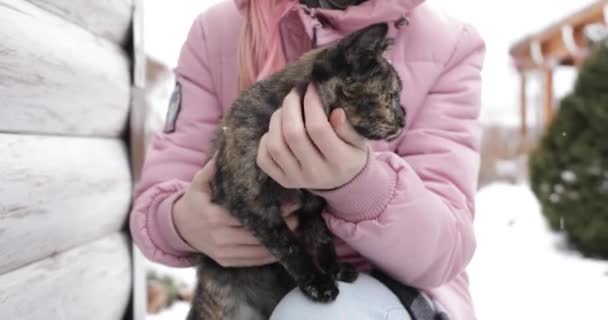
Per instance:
x=405, y=207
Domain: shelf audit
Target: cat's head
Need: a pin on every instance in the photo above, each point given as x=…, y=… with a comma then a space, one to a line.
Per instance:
x=354, y=75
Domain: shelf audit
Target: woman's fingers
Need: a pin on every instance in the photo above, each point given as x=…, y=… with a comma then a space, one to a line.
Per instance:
x=237, y=247
x=246, y=263
x=318, y=127
x=345, y=130
x=293, y=222
x=268, y=164
x=294, y=131
x=234, y=236
x=246, y=253
x=219, y=217
x=245, y=256
x=278, y=148
x=202, y=179
x=289, y=208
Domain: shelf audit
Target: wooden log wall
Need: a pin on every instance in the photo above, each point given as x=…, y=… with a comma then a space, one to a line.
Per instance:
x=110, y=19
x=89, y=282
x=58, y=192
x=58, y=78
x=66, y=169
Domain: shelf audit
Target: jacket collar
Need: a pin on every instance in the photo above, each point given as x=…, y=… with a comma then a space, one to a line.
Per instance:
x=326, y=25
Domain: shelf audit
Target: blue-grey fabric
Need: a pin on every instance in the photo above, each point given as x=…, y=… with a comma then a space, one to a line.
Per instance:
x=419, y=306
x=364, y=299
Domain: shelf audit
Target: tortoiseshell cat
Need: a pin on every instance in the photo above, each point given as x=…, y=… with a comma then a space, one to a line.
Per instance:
x=351, y=75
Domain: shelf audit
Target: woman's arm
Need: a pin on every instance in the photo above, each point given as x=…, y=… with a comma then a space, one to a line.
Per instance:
x=174, y=157
x=411, y=213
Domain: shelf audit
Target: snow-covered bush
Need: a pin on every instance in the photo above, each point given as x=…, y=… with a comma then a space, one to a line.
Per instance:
x=569, y=170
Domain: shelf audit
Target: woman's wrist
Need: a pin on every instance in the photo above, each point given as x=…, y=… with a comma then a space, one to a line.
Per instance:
x=366, y=195
x=177, y=228
x=356, y=173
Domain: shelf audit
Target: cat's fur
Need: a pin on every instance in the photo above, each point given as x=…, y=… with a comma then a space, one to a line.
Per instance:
x=351, y=75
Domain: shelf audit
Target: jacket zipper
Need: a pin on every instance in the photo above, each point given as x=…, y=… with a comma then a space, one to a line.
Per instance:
x=316, y=24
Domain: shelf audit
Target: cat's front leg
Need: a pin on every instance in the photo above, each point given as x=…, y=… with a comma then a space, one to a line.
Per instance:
x=272, y=231
x=319, y=240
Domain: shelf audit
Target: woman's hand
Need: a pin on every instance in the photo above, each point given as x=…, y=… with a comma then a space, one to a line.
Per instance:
x=212, y=230
x=317, y=154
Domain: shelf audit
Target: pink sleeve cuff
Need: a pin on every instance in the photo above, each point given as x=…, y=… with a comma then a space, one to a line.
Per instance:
x=366, y=196
x=166, y=227
x=161, y=230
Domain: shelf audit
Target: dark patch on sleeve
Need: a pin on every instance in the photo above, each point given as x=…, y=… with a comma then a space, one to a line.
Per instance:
x=175, y=106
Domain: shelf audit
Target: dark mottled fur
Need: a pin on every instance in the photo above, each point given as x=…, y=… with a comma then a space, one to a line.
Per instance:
x=352, y=75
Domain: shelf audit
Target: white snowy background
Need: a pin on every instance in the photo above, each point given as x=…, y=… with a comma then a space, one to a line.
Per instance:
x=501, y=23
x=521, y=269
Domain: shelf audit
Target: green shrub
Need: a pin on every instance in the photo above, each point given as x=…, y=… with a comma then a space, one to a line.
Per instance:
x=569, y=170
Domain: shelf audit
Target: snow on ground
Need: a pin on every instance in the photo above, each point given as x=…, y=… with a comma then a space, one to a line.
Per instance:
x=521, y=269
x=180, y=275
x=178, y=310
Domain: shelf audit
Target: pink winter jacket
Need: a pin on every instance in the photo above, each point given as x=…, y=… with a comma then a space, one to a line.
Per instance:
x=410, y=211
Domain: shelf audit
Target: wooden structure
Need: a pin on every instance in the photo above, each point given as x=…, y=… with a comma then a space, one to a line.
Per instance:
x=561, y=44
x=71, y=129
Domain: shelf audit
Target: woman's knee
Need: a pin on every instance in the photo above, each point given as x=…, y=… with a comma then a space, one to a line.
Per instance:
x=366, y=298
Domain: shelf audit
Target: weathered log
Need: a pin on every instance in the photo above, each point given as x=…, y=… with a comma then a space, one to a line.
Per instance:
x=90, y=282
x=110, y=19
x=59, y=192
x=57, y=78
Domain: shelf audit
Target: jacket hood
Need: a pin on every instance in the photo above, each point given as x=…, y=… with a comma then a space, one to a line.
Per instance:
x=335, y=24
x=401, y=4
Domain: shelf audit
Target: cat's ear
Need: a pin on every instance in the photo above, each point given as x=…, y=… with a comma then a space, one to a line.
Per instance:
x=353, y=55
x=327, y=64
x=363, y=47
x=369, y=38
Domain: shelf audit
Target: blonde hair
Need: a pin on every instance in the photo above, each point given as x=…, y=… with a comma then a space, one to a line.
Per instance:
x=260, y=51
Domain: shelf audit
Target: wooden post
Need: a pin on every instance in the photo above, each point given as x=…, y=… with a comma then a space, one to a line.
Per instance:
x=523, y=107
x=548, y=95
x=579, y=62
x=573, y=40
x=137, y=120
x=138, y=108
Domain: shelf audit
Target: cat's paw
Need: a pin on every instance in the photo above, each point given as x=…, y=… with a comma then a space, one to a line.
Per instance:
x=346, y=273
x=321, y=288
